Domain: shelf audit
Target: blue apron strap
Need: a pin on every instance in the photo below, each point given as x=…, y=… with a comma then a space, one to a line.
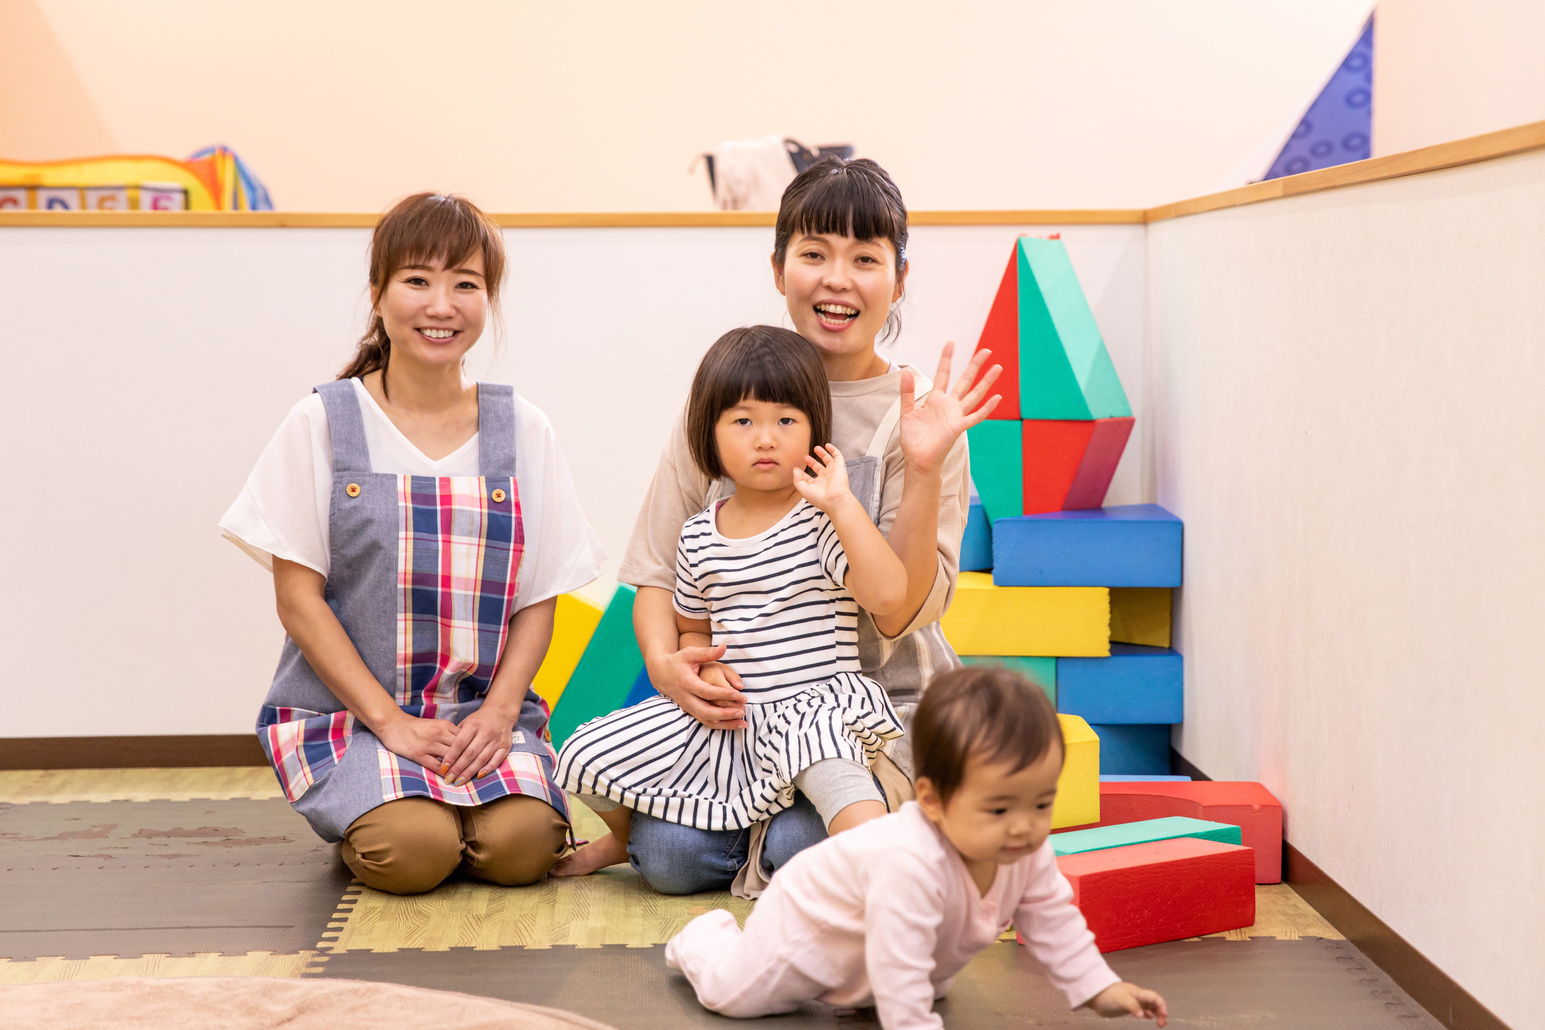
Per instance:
x=496, y=429
x=346, y=425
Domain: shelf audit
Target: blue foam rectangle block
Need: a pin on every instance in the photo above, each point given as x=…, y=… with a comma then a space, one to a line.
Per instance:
x=1134, y=685
x=1133, y=750
x=976, y=542
x=1131, y=545
x=1148, y=778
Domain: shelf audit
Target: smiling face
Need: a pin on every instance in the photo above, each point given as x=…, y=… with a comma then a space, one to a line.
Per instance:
x=839, y=291
x=996, y=816
x=761, y=443
x=433, y=314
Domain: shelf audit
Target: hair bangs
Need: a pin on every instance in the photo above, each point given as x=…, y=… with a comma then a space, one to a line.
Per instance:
x=844, y=204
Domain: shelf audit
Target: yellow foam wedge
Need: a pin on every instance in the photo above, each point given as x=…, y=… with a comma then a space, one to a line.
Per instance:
x=1078, y=788
x=1071, y=622
x=1141, y=615
x=573, y=625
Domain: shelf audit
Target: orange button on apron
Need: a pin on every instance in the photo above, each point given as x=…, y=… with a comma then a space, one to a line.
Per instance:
x=352, y=489
x=498, y=496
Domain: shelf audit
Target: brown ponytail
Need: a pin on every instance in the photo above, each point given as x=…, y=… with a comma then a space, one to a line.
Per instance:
x=430, y=229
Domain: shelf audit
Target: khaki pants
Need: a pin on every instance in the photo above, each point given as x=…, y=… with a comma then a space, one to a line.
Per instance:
x=410, y=845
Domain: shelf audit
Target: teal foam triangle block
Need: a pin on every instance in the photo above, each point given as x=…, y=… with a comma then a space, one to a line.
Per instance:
x=606, y=672
x=1065, y=371
x=997, y=467
x=1146, y=831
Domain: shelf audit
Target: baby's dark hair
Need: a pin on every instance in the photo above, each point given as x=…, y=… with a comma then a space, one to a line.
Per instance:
x=983, y=713
x=762, y=363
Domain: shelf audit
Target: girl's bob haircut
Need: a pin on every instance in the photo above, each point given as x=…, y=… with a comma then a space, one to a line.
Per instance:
x=984, y=714
x=431, y=229
x=760, y=363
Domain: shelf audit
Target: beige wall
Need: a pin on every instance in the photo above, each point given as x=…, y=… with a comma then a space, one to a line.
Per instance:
x=1344, y=398
x=601, y=104
x=1444, y=70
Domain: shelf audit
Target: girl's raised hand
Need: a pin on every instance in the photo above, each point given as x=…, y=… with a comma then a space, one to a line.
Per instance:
x=930, y=429
x=828, y=484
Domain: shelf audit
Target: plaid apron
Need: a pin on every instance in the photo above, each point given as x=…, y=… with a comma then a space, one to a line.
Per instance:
x=423, y=577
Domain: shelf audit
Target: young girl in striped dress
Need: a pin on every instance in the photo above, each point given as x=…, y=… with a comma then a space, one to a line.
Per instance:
x=775, y=574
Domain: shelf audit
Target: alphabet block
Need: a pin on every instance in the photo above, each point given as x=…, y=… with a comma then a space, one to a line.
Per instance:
x=65, y=198
x=1069, y=464
x=1145, y=831
x=1054, y=621
x=1141, y=615
x=13, y=198
x=574, y=624
x=606, y=672
x=107, y=198
x=1134, y=685
x=1249, y=806
x=976, y=541
x=1040, y=671
x=997, y=467
x=1078, y=786
x=1130, y=545
x=1132, y=748
x=1164, y=891
x=162, y=196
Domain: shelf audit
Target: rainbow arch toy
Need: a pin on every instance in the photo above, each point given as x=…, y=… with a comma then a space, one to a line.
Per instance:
x=213, y=179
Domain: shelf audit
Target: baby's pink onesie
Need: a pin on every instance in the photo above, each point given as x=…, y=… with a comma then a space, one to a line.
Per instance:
x=884, y=914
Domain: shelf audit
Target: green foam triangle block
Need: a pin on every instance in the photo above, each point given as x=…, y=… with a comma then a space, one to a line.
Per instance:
x=1065, y=372
x=606, y=671
x=1146, y=831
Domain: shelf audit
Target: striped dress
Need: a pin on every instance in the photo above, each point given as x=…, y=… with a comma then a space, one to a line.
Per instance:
x=778, y=603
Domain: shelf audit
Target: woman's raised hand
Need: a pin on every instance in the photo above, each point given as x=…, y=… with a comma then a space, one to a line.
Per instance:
x=701, y=686
x=828, y=484
x=930, y=429
x=425, y=741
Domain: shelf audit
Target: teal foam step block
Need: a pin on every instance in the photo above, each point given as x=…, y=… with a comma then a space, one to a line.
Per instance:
x=1065, y=372
x=1132, y=749
x=1120, y=835
x=1128, y=545
x=606, y=673
x=976, y=541
x=1135, y=684
x=1152, y=778
x=997, y=467
x=1040, y=671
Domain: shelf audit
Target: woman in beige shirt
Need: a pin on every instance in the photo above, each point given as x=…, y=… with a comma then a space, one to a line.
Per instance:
x=839, y=259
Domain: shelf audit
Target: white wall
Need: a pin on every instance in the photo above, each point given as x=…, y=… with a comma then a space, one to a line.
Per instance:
x=1345, y=408
x=1444, y=70
x=146, y=368
x=600, y=105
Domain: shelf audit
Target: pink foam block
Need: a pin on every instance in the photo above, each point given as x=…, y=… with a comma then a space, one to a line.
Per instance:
x=1249, y=806
x=1164, y=891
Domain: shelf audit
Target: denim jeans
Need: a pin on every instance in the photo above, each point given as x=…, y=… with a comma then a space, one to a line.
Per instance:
x=676, y=859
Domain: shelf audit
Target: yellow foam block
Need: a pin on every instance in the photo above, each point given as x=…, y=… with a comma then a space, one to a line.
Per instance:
x=1045, y=621
x=573, y=624
x=1078, y=788
x=1141, y=615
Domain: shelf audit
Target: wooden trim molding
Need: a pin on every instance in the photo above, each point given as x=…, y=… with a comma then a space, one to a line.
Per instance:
x=1431, y=988
x=170, y=752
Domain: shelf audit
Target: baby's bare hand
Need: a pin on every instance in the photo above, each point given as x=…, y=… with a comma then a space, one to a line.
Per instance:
x=1124, y=999
x=719, y=675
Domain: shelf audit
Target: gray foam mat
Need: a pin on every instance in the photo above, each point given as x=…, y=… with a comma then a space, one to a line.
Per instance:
x=130, y=878
x=1213, y=983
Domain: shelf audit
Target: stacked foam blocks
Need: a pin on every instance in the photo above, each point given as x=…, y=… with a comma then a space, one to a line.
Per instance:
x=1077, y=597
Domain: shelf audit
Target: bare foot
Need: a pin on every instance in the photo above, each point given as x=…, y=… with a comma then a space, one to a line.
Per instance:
x=598, y=854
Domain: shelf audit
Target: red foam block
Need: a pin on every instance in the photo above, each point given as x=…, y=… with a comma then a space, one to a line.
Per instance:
x=1069, y=463
x=1164, y=891
x=1249, y=806
x=1001, y=336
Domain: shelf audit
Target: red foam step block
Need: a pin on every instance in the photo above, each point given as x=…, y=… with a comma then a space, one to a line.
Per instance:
x=1164, y=891
x=1249, y=806
x=1001, y=336
x=1069, y=463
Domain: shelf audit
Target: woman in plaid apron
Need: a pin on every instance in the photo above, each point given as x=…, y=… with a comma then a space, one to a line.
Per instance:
x=417, y=591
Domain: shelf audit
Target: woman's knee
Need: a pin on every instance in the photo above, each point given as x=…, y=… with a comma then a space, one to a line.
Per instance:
x=513, y=841
x=406, y=846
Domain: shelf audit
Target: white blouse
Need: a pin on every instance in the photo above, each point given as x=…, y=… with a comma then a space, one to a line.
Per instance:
x=283, y=509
